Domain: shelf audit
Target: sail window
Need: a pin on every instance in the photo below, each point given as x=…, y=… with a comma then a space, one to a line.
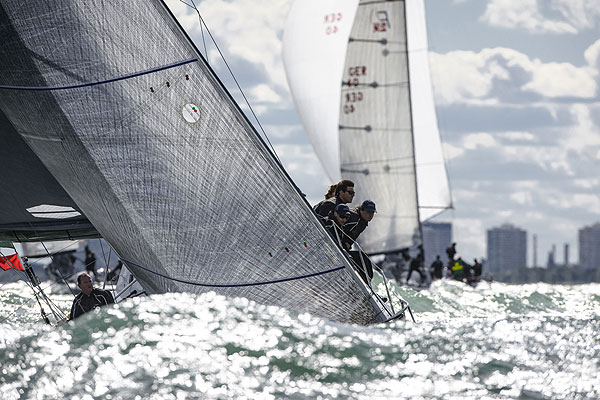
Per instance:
x=190, y=113
x=54, y=212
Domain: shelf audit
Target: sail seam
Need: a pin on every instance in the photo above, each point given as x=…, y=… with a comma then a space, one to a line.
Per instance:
x=294, y=278
x=135, y=74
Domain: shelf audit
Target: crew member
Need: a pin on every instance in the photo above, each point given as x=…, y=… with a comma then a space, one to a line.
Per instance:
x=89, y=298
x=436, y=268
x=359, y=219
x=344, y=193
x=334, y=223
x=357, y=223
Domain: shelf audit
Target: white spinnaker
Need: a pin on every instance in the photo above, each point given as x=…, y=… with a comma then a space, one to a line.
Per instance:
x=432, y=178
x=314, y=49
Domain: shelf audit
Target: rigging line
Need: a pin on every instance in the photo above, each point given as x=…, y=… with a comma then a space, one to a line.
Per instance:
x=35, y=293
x=236, y=284
x=135, y=74
x=235, y=80
x=58, y=251
x=106, y=263
x=58, y=270
x=202, y=32
x=201, y=27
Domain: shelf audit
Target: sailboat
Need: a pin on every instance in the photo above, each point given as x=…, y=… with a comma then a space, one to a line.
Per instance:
x=359, y=75
x=135, y=133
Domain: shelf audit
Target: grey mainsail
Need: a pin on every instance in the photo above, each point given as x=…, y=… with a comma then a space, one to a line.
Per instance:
x=122, y=110
x=375, y=129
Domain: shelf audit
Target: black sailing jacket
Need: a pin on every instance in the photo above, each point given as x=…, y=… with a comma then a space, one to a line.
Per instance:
x=83, y=303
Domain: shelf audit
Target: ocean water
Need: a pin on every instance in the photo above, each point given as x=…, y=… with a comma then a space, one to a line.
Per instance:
x=494, y=341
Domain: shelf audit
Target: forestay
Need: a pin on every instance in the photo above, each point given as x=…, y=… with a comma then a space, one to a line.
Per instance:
x=119, y=106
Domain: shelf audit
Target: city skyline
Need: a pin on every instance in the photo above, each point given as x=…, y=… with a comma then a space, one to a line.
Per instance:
x=516, y=85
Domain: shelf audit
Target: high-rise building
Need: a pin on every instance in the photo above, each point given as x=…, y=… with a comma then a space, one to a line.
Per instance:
x=551, y=258
x=534, y=250
x=506, y=248
x=437, y=237
x=589, y=246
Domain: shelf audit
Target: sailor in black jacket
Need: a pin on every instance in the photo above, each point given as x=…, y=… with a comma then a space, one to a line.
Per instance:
x=334, y=223
x=359, y=219
x=344, y=193
x=89, y=298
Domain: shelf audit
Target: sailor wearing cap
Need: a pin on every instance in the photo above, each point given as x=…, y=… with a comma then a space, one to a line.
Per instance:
x=334, y=223
x=359, y=219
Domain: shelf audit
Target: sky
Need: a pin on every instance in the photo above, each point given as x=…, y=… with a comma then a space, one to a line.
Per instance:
x=517, y=92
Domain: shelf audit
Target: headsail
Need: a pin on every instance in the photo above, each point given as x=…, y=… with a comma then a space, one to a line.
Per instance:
x=313, y=55
x=388, y=138
x=136, y=127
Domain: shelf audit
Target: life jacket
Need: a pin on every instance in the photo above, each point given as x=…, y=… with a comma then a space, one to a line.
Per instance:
x=458, y=269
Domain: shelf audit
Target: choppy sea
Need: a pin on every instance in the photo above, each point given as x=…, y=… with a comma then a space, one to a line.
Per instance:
x=493, y=341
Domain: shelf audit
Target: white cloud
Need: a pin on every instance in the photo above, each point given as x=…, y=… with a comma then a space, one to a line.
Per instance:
x=548, y=158
x=584, y=133
x=243, y=28
x=592, y=55
x=588, y=202
x=451, y=152
x=473, y=141
x=282, y=131
x=568, y=16
x=582, y=14
x=523, y=14
x=469, y=77
x=264, y=94
x=587, y=183
x=522, y=198
x=561, y=80
x=518, y=136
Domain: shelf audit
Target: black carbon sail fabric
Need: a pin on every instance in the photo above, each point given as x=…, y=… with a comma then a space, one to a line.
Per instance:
x=113, y=99
x=27, y=186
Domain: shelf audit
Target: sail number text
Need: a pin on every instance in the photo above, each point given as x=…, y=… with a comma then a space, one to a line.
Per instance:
x=354, y=73
x=330, y=20
x=350, y=98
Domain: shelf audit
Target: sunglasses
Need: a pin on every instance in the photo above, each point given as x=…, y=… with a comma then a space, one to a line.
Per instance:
x=344, y=216
x=352, y=192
